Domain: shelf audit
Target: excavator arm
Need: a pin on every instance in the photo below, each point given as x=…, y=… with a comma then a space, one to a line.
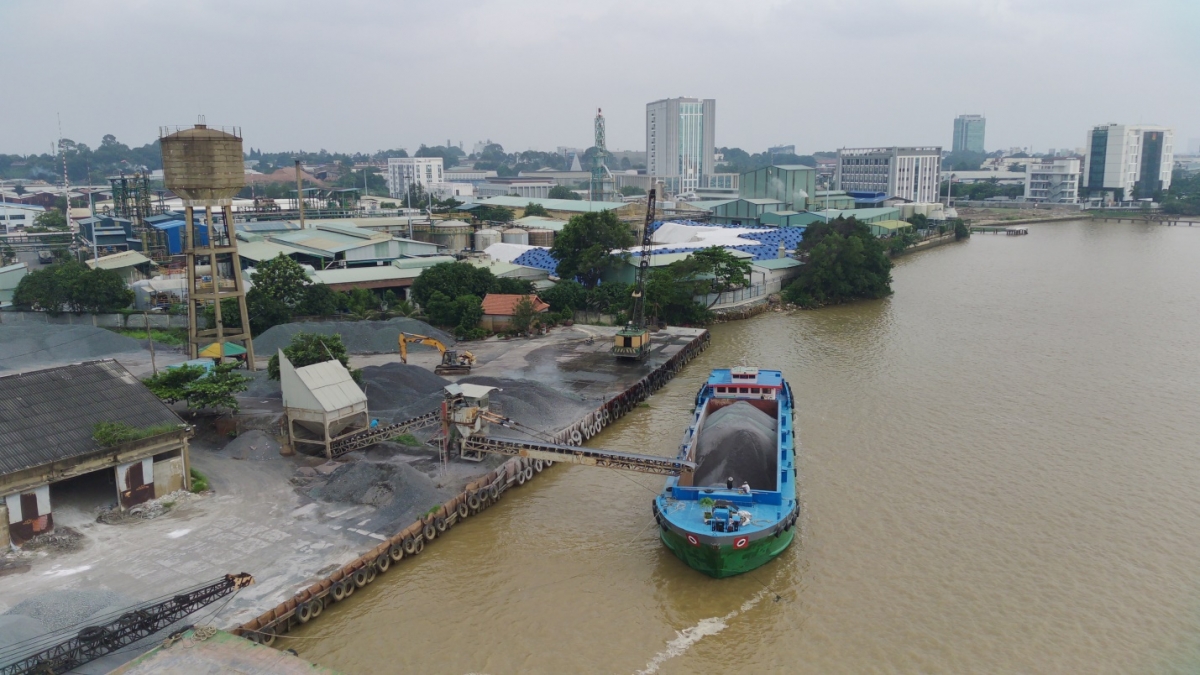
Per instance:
x=406, y=338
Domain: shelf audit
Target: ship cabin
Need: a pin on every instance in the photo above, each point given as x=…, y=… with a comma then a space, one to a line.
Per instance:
x=766, y=391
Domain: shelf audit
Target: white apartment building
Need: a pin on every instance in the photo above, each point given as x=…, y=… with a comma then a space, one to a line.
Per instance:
x=452, y=190
x=532, y=188
x=1052, y=181
x=910, y=173
x=681, y=139
x=1127, y=162
x=404, y=171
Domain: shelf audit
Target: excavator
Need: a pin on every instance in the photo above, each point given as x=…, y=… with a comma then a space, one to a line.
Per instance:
x=453, y=362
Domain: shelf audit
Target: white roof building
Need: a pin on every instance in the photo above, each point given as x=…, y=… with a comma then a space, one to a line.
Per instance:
x=324, y=400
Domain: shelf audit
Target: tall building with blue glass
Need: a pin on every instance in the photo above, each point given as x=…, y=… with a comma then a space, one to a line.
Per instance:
x=968, y=133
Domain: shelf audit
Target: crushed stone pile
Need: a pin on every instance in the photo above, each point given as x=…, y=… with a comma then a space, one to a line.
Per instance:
x=397, y=490
x=737, y=440
x=26, y=345
x=67, y=607
x=147, y=510
x=396, y=391
x=260, y=386
x=533, y=404
x=255, y=446
x=360, y=337
x=61, y=540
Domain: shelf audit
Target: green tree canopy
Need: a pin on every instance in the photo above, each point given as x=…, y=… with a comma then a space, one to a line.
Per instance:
x=511, y=286
x=589, y=244
x=535, y=209
x=566, y=295
x=452, y=279
x=306, y=349
x=497, y=214
x=843, y=261
x=281, y=279
x=563, y=192
x=201, y=388
x=51, y=219
x=74, y=287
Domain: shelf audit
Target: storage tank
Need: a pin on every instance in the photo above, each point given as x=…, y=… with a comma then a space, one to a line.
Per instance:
x=541, y=238
x=455, y=235
x=420, y=232
x=485, y=238
x=202, y=164
x=515, y=235
x=921, y=209
x=906, y=211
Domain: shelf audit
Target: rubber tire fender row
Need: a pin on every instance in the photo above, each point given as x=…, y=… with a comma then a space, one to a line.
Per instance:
x=538, y=465
x=420, y=546
x=383, y=562
x=429, y=531
x=440, y=524
x=494, y=492
x=360, y=577
x=309, y=610
x=338, y=591
x=396, y=552
x=521, y=477
x=473, y=501
x=410, y=546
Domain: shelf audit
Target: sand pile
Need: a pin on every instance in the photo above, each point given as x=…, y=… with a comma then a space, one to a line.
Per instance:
x=533, y=404
x=739, y=441
x=396, y=392
x=400, y=492
x=360, y=337
x=26, y=345
x=254, y=446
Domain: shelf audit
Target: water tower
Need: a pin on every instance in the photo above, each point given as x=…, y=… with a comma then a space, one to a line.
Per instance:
x=203, y=166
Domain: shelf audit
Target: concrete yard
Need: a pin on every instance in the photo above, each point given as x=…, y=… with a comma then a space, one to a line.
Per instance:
x=261, y=516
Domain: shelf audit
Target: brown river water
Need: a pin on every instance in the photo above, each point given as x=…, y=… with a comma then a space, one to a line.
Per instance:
x=1000, y=472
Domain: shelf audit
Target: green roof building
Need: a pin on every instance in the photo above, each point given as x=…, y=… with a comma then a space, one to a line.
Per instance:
x=745, y=211
x=791, y=184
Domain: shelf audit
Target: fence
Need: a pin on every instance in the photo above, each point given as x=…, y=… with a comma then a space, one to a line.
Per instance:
x=157, y=320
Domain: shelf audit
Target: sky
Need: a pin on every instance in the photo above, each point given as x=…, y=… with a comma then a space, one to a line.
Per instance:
x=358, y=75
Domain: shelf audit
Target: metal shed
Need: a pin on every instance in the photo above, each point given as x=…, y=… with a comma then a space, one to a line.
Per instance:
x=322, y=402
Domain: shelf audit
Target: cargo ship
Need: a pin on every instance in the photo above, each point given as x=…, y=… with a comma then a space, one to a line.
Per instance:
x=737, y=509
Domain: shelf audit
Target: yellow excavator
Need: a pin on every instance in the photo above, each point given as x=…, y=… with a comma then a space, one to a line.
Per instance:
x=453, y=362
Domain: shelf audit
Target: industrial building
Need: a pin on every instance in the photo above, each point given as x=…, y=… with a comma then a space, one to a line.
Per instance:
x=1052, y=181
x=968, y=133
x=792, y=184
x=131, y=266
x=49, y=458
x=13, y=216
x=10, y=278
x=521, y=187
x=1127, y=162
x=911, y=173
x=322, y=403
x=681, y=140
x=107, y=233
x=565, y=208
x=499, y=308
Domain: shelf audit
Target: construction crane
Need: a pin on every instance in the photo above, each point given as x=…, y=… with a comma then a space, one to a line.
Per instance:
x=601, y=186
x=633, y=341
x=67, y=649
x=453, y=362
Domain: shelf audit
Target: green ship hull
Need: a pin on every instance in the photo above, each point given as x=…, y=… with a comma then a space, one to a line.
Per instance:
x=726, y=561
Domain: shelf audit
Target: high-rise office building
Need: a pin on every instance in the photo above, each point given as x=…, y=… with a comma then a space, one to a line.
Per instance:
x=404, y=171
x=968, y=133
x=910, y=173
x=1052, y=180
x=1127, y=162
x=680, y=139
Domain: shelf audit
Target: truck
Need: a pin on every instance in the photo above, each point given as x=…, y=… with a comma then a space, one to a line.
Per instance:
x=45, y=256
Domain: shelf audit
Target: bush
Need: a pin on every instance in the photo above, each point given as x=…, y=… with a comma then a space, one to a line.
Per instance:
x=199, y=481
x=109, y=434
x=407, y=439
x=306, y=349
x=843, y=262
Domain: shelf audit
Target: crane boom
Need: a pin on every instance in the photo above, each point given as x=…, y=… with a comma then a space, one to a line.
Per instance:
x=633, y=341
x=137, y=623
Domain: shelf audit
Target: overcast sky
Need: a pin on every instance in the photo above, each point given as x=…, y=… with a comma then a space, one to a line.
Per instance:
x=359, y=75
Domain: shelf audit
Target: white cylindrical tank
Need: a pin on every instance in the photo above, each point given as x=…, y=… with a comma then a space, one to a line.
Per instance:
x=485, y=238
x=515, y=235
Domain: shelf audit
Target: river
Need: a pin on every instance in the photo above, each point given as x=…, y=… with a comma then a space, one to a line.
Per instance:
x=999, y=472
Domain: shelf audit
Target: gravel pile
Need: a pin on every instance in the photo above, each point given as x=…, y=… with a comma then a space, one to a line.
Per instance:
x=396, y=392
x=255, y=446
x=148, y=510
x=533, y=404
x=61, y=540
x=68, y=607
x=739, y=441
x=399, y=491
x=33, y=344
x=16, y=628
x=260, y=386
x=360, y=337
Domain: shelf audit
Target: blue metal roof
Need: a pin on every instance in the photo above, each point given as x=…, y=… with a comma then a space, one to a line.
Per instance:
x=766, y=378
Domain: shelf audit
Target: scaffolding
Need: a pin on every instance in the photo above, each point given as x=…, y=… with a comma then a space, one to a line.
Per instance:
x=131, y=200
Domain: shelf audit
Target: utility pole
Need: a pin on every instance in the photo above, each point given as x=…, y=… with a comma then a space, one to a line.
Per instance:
x=153, y=364
x=300, y=193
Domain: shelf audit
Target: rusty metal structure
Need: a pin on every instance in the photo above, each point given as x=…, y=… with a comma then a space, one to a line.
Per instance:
x=131, y=199
x=203, y=166
x=67, y=649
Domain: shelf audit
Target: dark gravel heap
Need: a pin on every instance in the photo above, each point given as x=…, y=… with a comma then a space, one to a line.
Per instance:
x=739, y=441
x=396, y=392
x=360, y=337
x=399, y=491
x=25, y=345
x=254, y=446
x=533, y=404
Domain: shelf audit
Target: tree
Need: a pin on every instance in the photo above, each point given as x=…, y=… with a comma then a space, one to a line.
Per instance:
x=51, y=219
x=497, y=214
x=843, y=262
x=282, y=279
x=470, y=312
x=318, y=300
x=510, y=286
x=563, y=192
x=589, y=244
x=75, y=287
x=534, y=209
x=218, y=388
x=441, y=310
x=99, y=290
x=728, y=271
x=566, y=295
x=306, y=349
x=524, y=315
x=171, y=385
x=631, y=190
x=671, y=294
x=452, y=279
x=264, y=311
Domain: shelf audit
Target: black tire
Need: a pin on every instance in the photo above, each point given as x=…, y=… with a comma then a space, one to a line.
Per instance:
x=410, y=546
x=349, y=585
x=266, y=637
x=529, y=473
x=370, y=574
x=338, y=591
x=396, y=553
x=360, y=577
x=494, y=492
x=383, y=562
x=463, y=511
x=420, y=545
x=521, y=477
x=304, y=613
x=538, y=465
x=440, y=524
x=473, y=501
x=430, y=532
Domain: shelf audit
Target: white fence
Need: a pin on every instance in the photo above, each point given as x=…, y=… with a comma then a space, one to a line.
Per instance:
x=157, y=320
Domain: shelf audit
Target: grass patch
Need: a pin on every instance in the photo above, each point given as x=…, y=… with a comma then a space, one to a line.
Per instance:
x=169, y=337
x=643, y=404
x=199, y=481
x=407, y=439
x=108, y=434
x=433, y=510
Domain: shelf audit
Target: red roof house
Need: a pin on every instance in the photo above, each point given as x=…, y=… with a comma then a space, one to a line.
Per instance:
x=498, y=309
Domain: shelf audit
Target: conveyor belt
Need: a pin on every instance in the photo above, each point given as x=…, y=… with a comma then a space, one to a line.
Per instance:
x=662, y=466
x=378, y=434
